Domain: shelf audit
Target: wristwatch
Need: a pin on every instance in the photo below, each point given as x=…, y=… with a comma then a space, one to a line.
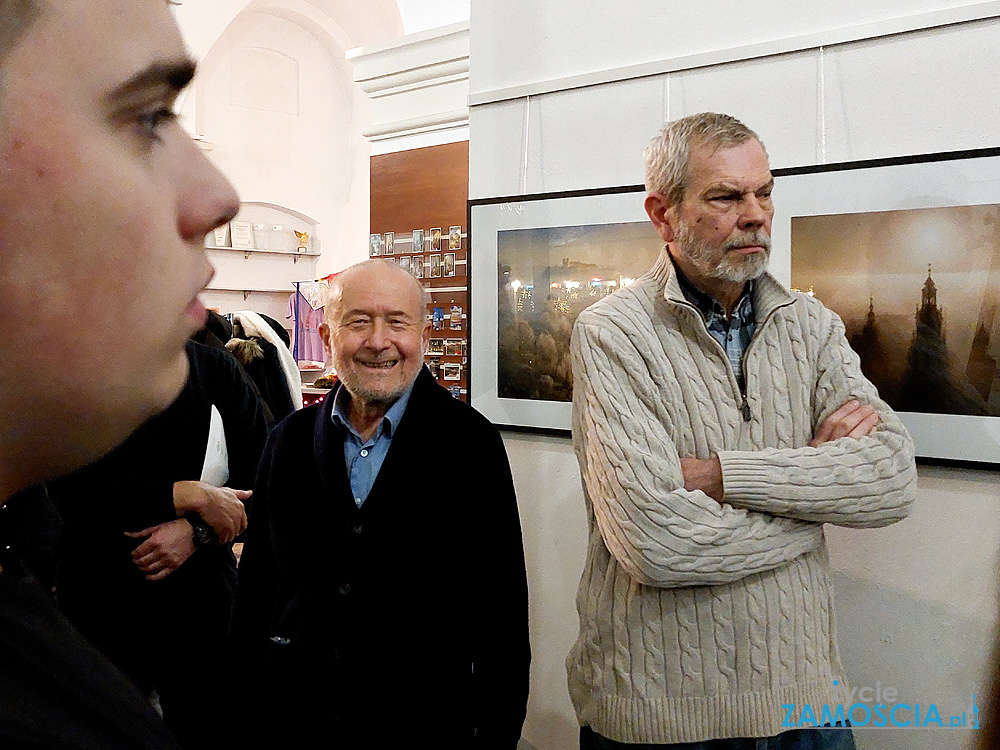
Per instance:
x=204, y=535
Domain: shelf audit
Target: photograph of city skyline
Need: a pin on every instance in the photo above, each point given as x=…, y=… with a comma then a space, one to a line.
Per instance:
x=546, y=277
x=918, y=291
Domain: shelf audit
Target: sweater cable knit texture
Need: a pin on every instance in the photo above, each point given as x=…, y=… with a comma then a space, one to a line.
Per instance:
x=699, y=619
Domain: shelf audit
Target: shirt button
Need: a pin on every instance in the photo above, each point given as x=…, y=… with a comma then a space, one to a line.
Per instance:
x=345, y=588
x=364, y=453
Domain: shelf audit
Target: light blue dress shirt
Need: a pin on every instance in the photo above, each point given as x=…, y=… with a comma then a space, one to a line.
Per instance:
x=364, y=459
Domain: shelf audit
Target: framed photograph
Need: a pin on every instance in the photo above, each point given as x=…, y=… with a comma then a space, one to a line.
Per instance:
x=454, y=238
x=418, y=241
x=404, y=262
x=417, y=266
x=241, y=234
x=388, y=243
x=434, y=365
x=435, y=239
x=390, y=259
x=451, y=371
x=435, y=266
x=449, y=264
x=220, y=236
x=437, y=319
x=435, y=346
x=536, y=263
x=375, y=245
x=453, y=347
x=907, y=252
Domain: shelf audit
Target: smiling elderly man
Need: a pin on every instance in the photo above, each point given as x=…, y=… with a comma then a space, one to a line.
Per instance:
x=382, y=599
x=719, y=421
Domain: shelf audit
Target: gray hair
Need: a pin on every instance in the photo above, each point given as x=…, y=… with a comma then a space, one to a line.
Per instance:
x=667, y=155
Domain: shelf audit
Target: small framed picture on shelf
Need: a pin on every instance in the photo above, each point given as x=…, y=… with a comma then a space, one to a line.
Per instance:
x=375, y=245
x=435, y=346
x=455, y=391
x=451, y=371
x=388, y=243
x=417, y=266
x=435, y=239
x=434, y=365
x=418, y=241
x=453, y=347
x=454, y=238
x=220, y=236
x=437, y=319
x=449, y=264
x=456, y=317
x=242, y=234
x=404, y=262
x=436, y=266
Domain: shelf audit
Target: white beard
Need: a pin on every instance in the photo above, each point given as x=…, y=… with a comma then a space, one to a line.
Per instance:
x=722, y=264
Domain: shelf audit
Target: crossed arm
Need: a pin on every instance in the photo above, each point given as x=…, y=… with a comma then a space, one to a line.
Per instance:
x=853, y=420
x=673, y=521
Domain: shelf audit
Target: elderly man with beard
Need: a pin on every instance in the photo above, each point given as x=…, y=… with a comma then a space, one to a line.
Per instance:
x=719, y=421
x=383, y=599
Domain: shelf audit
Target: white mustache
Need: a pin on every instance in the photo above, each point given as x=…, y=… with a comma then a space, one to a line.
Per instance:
x=746, y=239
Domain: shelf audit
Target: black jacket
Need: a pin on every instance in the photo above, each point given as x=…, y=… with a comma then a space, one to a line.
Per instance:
x=404, y=618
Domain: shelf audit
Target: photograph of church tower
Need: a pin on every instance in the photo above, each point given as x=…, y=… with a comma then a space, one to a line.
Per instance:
x=918, y=291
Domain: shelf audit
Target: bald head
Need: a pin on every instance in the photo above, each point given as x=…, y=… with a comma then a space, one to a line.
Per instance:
x=374, y=271
x=376, y=331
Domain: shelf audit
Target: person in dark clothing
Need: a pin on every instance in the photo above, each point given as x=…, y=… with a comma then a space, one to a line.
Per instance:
x=144, y=585
x=374, y=608
x=104, y=206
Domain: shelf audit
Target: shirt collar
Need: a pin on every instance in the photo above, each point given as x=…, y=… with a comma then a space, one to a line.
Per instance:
x=389, y=423
x=709, y=307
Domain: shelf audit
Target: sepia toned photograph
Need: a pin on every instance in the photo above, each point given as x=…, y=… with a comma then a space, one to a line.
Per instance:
x=436, y=239
x=435, y=266
x=546, y=277
x=388, y=243
x=454, y=238
x=449, y=264
x=417, y=266
x=451, y=371
x=918, y=292
x=435, y=346
x=418, y=241
x=375, y=245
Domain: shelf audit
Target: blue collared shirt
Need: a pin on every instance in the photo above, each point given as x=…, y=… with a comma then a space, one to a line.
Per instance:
x=733, y=334
x=364, y=459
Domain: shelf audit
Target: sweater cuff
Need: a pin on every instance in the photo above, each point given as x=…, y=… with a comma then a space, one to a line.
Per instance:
x=750, y=478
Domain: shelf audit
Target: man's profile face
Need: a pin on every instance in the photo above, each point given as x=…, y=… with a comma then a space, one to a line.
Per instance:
x=377, y=332
x=723, y=225
x=104, y=205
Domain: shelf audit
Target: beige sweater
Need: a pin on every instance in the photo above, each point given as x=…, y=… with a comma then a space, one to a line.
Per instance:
x=699, y=620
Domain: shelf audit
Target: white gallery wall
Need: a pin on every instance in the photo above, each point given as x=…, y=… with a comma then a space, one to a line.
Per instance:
x=565, y=95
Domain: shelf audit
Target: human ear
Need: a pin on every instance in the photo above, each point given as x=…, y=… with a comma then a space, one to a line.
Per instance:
x=662, y=214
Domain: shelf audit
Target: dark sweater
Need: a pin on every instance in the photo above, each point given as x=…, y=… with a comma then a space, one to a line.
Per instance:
x=403, y=618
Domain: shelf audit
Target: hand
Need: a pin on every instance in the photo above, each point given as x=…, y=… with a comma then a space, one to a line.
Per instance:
x=703, y=474
x=853, y=419
x=166, y=548
x=220, y=507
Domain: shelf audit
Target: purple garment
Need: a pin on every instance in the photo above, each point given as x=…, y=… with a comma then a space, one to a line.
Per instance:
x=307, y=346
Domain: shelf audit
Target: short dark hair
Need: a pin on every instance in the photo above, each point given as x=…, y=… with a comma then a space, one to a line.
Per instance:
x=15, y=18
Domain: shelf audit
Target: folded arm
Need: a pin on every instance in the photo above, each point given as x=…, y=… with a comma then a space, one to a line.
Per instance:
x=661, y=533
x=842, y=477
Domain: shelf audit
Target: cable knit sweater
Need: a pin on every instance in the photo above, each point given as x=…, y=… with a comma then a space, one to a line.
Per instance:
x=698, y=620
